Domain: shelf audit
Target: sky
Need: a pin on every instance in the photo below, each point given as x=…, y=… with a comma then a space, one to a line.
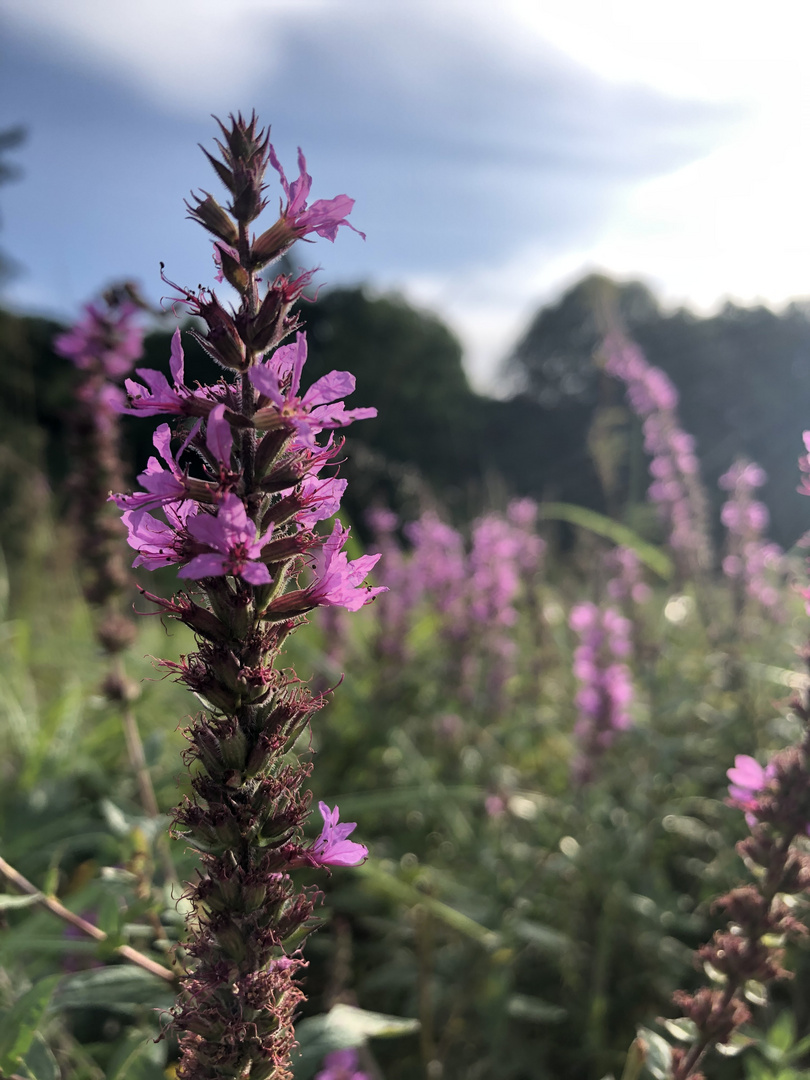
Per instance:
x=497, y=153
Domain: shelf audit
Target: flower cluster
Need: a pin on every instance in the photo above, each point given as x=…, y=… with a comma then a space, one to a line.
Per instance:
x=235, y=508
x=751, y=562
x=474, y=592
x=626, y=584
x=676, y=488
x=605, y=691
x=103, y=346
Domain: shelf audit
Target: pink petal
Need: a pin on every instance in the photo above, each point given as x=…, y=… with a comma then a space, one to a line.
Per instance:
x=256, y=573
x=204, y=566
x=218, y=435
x=176, y=363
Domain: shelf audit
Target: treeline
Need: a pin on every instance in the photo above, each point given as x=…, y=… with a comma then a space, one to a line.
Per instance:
x=566, y=434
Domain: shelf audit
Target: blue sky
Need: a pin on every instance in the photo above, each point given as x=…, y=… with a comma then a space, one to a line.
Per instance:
x=493, y=158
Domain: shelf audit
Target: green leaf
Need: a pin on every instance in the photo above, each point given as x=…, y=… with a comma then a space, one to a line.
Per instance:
x=9, y=901
x=681, y=1029
x=634, y=1062
x=781, y=1035
x=342, y=1028
x=21, y=1021
x=123, y=988
x=524, y=1007
x=735, y=1045
x=659, y=1053
x=39, y=1063
x=544, y=938
x=651, y=556
x=407, y=894
x=371, y=1025
x=108, y=917
x=139, y=1058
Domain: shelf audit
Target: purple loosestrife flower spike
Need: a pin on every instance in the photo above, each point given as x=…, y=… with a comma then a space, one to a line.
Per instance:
x=751, y=561
x=235, y=508
x=675, y=489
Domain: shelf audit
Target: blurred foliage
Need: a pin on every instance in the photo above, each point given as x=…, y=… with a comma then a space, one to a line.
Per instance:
x=743, y=376
x=507, y=925
x=564, y=434
x=529, y=938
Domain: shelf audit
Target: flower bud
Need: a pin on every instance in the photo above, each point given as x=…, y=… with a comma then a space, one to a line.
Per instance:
x=233, y=271
x=212, y=216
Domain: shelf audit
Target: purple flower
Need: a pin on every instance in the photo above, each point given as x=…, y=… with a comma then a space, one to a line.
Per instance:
x=321, y=498
x=332, y=848
x=232, y=538
x=338, y=581
x=109, y=340
x=748, y=778
x=324, y=217
x=162, y=486
x=341, y=1065
x=158, y=543
x=158, y=397
x=319, y=407
x=218, y=436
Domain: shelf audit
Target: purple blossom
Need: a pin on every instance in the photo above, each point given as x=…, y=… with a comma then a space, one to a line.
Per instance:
x=317, y=409
x=341, y=1065
x=324, y=217
x=321, y=499
x=750, y=560
x=605, y=691
x=675, y=488
x=332, y=848
x=748, y=779
x=232, y=537
x=158, y=397
x=627, y=582
x=162, y=485
x=218, y=436
x=338, y=581
x=159, y=543
x=109, y=341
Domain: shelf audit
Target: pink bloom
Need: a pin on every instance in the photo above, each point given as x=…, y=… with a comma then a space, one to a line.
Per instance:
x=319, y=407
x=162, y=485
x=158, y=397
x=232, y=538
x=158, y=543
x=109, y=340
x=321, y=499
x=332, y=848
x=338, y=581
x=218, y=436
x=748, y=778
x=341, y=1065
x=324, y=217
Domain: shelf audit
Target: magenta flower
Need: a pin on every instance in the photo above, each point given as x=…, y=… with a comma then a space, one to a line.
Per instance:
x=158, y=543
x=162, y=485
x=341, y=1065
x=158, y=397
x=111, y=340
x=748, y=778
x=332, y=848
x=321, y=497
x=338, y=581
x=324, y=217
x=218, y=436
x=319, y=407
x=232, y=538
